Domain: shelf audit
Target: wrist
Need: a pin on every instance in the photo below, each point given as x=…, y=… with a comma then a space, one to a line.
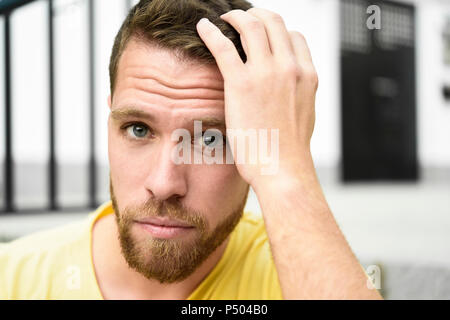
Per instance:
x=290, y=174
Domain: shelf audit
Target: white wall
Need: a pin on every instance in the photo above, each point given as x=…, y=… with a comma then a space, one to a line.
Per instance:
x=30, y=101
x=433, y=111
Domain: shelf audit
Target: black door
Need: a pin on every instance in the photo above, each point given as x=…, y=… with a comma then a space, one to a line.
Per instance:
x=378, y=107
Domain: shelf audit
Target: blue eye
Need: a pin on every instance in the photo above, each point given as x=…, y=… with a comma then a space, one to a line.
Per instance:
x=137, y=130
x=211, y=139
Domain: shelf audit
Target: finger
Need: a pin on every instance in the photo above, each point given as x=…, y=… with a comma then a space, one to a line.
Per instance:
x=222, y=48
x=304, y=59
x=253, y=32
x=279, y=39
x=300, y=47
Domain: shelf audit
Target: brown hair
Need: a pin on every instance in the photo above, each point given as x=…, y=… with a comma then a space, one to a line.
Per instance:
x=171, y=24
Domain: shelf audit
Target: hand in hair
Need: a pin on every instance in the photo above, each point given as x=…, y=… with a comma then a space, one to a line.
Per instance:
x=274, y=89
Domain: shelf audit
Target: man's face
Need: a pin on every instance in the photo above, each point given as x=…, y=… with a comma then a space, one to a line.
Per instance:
x=155, y=94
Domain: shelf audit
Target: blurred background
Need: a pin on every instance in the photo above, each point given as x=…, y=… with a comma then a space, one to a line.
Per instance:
x=381, y=144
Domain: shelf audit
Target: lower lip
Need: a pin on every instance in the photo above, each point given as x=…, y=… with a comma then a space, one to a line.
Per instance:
x=164, y=232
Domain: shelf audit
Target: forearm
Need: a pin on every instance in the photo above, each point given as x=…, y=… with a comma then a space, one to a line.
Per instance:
x=312, y=256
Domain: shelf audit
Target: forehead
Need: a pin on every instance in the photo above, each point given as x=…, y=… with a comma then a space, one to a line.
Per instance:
x=155, y=80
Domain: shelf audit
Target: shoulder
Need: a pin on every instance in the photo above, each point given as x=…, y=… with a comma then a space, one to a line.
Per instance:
x=47, y=243
x=27, y=263
x=45, y=240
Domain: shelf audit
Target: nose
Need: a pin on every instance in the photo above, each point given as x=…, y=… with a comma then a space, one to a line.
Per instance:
x=166, y=179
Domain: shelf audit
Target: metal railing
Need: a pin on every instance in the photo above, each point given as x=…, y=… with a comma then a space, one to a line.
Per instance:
x=7, y=7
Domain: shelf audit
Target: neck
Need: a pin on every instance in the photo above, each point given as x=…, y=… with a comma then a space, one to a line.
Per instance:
x=117, y=280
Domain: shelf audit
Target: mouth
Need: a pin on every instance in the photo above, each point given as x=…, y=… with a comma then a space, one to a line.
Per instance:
x=164, y=228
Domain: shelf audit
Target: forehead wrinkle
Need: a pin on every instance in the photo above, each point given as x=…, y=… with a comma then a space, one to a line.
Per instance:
x=179, y=80
x=150, y=86
x=151, y=76
x=197, y=86
x=143, y=60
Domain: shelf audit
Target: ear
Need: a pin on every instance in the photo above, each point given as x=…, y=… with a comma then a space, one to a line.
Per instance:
x=109, y=102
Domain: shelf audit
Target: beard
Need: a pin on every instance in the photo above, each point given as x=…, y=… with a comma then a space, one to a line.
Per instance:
x=170, y=260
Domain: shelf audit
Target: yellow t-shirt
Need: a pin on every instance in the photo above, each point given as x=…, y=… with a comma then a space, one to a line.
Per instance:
x=57, y=264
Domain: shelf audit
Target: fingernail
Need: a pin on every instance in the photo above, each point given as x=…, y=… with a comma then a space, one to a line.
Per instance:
x=203, y=20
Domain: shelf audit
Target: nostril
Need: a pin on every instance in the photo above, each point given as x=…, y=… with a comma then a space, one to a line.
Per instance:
x=152, y=195
x=176, y=198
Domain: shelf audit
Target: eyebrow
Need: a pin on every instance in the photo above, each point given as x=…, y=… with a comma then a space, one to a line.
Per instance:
x=211, y=122
x=125, y=113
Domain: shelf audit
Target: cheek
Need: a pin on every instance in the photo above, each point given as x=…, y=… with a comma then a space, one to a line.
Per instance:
x=125, y=170
x=117, y=155
x=218, y=188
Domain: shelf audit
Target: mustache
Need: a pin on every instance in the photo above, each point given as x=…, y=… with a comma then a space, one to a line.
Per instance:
x=152, y=208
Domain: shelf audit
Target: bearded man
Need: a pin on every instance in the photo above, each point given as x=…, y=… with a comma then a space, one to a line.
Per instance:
x=177, y=230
